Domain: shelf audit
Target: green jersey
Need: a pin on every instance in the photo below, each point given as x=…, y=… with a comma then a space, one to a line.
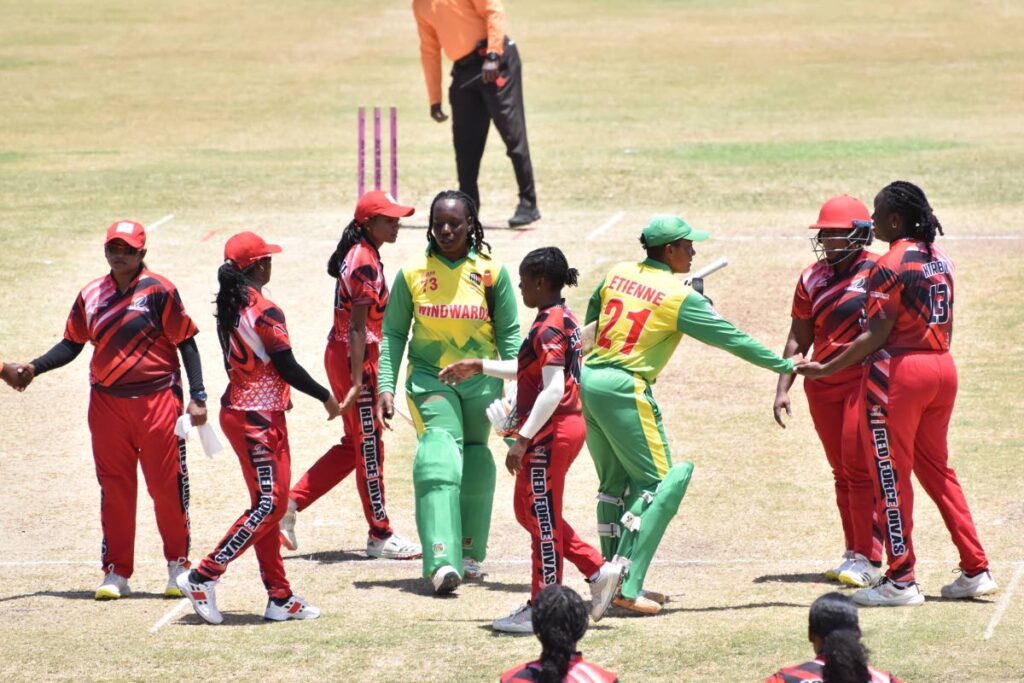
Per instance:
x=445, y=303
x=642, y=311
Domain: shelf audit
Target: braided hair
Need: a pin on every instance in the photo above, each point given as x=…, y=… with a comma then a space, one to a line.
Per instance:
x=232, y=297
x=476, y=229
x=833, y=618
x=907, y=200
x=550, y=264
x=559, y=621
x=350, y=236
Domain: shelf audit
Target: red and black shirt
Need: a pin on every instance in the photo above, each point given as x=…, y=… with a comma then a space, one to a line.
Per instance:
x=554, y=339
x=580, y=671
x=814, y=672
x=135, y=332
x=253, y=381
x=913, y=286
x=360, y=283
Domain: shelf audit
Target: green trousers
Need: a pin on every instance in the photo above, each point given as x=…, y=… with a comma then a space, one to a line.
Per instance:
x=627, y=441
x=453, y=471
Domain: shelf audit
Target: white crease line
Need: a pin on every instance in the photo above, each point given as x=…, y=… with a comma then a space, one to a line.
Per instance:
x=156, y=224
x=171, y=613
x=1004, y=601
x=599, y=230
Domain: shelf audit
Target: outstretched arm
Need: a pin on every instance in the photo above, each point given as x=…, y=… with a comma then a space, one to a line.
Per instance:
x=700, y=321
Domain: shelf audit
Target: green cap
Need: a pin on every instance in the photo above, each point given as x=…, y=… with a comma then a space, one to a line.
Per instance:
x=663, y=229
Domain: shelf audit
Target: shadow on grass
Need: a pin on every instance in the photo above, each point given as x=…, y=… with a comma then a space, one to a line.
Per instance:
x=793, y=578
x=620, y=613
x=230, y=619
x=83, y=595
x=500, y=586
x=415, y=586
x=332, y=557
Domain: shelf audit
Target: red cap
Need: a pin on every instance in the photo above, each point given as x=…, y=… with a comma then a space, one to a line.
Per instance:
x=129, y=232
x=380, y=203
x=841, y=212
x=246, y=248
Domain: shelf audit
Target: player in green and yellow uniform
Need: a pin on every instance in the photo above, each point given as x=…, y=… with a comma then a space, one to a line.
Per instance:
x=641, y=311
x=461, y=304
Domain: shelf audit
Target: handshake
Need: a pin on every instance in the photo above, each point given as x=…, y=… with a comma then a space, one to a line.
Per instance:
x=18, y=375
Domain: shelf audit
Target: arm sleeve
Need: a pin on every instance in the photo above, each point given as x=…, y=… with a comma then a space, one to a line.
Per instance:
x=494, y=15
x=550, y=396
x=193, y=366
x=177, y=324
x=505, y=369
x=594, y=306
x=697, y=319
x=506, y=317
x=397, y=320
x=62, y=353
x=430, y=57
x=296, y=375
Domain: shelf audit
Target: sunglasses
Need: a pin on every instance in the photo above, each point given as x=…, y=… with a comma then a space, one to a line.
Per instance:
x=122, y=250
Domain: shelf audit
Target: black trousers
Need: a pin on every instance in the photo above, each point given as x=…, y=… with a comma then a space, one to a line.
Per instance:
x=475, y=105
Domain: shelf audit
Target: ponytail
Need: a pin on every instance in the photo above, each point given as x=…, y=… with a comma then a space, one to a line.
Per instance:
x=846, y=658
x=232, y=296
x=550, y=263
x=350, y=236
x=910, y=203
x=559, y=620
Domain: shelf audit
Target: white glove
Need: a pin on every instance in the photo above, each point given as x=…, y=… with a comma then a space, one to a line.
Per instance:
x=502, y=414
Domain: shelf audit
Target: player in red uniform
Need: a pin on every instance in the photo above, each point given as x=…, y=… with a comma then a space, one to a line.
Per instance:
x=909, y=387
x=828, y=310
x=550, y=435
x=137, y=325
x=834, y=631
x=261, y=367
x=559, y=621
x=351, y=359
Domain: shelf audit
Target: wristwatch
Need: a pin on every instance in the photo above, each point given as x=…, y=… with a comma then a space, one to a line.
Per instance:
x=493, y=56
x=198, y=395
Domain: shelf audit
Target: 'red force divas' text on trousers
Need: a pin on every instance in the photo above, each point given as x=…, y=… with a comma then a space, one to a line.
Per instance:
x=361, y=448
x=908, y=402
x=835, y=407
x=538, y=502
x=260, y=439
x=133, y=432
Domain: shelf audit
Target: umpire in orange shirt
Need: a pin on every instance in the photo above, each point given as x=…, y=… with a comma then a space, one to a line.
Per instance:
x=487, y=83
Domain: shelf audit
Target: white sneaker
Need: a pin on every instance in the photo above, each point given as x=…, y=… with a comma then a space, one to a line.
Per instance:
x=295, y=608
x=471, y=569
x=114, y=586
x=604, y=588
x=833, y=574
x=970, y=587
x=175, y=567
x=445, y=580
x=287, y=526
x=887, y=593
x=203, y=597
x=520, y=621
x=394, y=547
x=860, y=573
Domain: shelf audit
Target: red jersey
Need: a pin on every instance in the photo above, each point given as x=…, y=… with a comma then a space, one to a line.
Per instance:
x=554, y=339
x=360, y=283
x=814, y=672
x=580, y=671
x=835, y=304
x=136, y=333
x=915, y=289
x=253, y=381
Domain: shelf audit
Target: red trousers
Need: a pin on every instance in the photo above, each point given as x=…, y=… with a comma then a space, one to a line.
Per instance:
x=128, y=433
x=361, y=448
x=835, y=405
x=260, y=440
x=538, y=502
x=908, y=402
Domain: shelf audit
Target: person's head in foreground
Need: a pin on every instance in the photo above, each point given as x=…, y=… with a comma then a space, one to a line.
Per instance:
x=669, y=239
x=559, y=621
x=840, y=656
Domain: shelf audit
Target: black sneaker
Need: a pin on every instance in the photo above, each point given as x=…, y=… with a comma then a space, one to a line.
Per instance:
x=524, y=215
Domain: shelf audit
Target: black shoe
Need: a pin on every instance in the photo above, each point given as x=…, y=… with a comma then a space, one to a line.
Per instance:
x=524, y=215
